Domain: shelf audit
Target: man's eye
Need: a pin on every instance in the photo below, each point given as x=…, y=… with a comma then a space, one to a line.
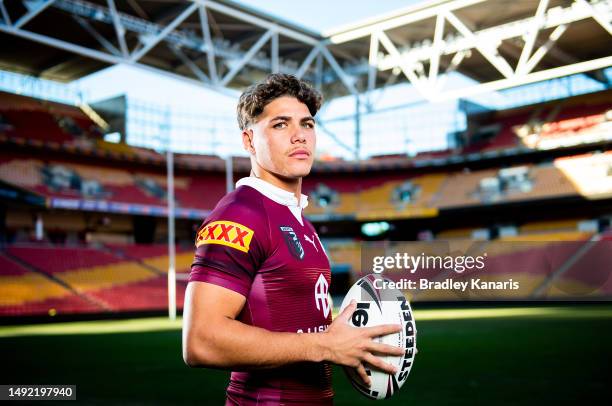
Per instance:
x=308, y=124
x=280, y=125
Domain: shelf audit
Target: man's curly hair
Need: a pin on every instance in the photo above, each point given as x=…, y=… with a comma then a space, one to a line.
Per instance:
x=257, y=96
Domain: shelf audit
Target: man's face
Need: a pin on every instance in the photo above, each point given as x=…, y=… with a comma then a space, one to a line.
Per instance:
x=283, y=138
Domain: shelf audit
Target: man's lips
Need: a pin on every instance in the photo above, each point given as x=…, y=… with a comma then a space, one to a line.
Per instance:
x=300, y=153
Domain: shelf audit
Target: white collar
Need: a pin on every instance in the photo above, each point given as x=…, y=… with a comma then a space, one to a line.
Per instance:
x=274, y=193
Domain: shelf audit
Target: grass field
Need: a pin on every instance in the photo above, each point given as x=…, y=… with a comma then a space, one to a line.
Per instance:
x=530, y=355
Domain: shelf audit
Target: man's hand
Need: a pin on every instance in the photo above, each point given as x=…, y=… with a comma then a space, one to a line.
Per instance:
x=350, y=346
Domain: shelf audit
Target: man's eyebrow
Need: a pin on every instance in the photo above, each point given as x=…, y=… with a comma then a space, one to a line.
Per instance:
x=284, y=118
x=287, y=118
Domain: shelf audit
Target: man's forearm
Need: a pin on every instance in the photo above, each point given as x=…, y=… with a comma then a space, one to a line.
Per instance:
x=236, y=345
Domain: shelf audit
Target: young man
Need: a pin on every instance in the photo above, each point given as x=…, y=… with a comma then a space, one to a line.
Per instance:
x=259, y=283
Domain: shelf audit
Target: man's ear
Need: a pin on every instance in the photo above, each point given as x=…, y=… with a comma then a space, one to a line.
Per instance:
x=247, y=140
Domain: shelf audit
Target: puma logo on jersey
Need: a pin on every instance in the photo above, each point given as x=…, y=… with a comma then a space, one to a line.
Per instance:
x=311, y=241
x=226, y=233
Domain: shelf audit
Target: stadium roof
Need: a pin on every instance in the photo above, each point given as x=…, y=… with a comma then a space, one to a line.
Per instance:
x=225, y=45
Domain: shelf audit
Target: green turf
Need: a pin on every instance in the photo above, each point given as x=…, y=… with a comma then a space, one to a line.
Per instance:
x=531, y=356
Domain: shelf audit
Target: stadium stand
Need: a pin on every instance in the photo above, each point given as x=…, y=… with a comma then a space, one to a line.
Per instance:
x=81, y=280
x=404, y=198
x=591, y=174
x=155, y=255
x=584, y=119
x=43, y=120
x=9, y=267
x=151, y=294
x=23, y=292
x=48, y=151
x=53, y=260
x=67, y=179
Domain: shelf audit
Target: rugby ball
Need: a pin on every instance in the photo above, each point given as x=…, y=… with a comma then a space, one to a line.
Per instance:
x=377, y=304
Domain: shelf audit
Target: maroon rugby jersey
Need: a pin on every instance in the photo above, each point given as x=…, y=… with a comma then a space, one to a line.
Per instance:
x=256, y=243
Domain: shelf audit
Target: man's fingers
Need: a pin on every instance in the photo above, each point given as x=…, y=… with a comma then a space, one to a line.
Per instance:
x=363, y=375
x=383, y=330
x=379, y=364
x=385, y=349
x=348, y=311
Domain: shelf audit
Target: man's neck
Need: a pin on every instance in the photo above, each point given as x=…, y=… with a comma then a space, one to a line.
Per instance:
x=290, y=185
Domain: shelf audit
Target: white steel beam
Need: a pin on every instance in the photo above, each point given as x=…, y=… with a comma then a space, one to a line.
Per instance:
x=210, y=49
x=437, y=49
x=243, y=61
x=119, y=29
x=531, y=36
x=543, y=50
x=92, y=31
x=36, y=10
x=539, y=76
x=454, y=64
x=167, y=29
x=554, y=17
x=601, y=16
x=401, y=20
x=108, y=58
x=486, y=48
x=307, y=62
x=274, y=57
x=373, y=63
x=319, y=74
x=339, y=71
x=5, y=14
x=189, y=63
x=407, y=66
x=221, y=8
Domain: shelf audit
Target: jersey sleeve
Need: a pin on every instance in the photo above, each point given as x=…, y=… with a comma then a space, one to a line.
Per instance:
x=230, y=247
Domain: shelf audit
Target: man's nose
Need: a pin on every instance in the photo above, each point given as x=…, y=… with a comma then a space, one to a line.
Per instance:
x=298, y=134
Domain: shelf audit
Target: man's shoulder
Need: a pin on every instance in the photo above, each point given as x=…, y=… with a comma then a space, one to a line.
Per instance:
x=244, y=204
x=238, y=219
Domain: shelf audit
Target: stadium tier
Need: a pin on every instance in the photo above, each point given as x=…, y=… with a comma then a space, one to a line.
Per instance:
x=155, y=255
x=371, y=196
x=41, y=280
x=25, y=292
x=55, y=152
x=585, y=119
x=31, y=118
x=61, y=179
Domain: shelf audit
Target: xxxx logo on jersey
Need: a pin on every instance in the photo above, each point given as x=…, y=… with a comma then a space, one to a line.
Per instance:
x=226, y=233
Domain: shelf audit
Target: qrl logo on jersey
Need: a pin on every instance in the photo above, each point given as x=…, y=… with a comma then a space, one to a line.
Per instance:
x=293, y=242
x=321, y=295
x=226, y=233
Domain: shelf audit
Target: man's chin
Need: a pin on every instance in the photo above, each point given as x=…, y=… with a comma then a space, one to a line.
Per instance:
x=298, y=170
x=296, y=173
